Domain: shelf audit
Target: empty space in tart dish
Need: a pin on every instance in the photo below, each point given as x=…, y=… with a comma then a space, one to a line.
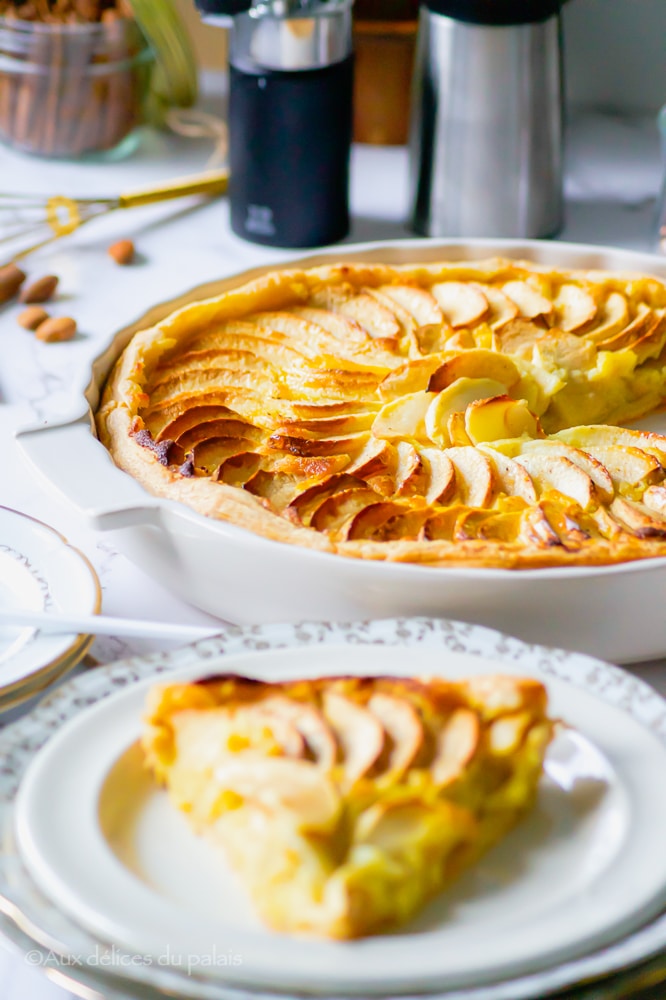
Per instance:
x=578, y=825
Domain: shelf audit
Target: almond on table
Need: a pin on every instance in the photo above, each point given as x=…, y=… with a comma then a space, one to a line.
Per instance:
x=56, y=329
x=122, y=252
x=32, y=317
x=40, y=290
x=11, y=279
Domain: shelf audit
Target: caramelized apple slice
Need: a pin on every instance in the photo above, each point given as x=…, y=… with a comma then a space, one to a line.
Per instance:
x=537, y=529
x=407, y=524
x=457, y=742
x=417, y=301
x=403, y=418
x=511, y=477
x=295, y=787
x=344, y=444
x=593, y=435
x=376, y=465
x=574, y=308
x=339, y=508
x=306, y=503
x=517, y=337
x=554, y=472
x=327, y=426
x=612, y=317
x=529, y=301
x=638, y=519
x=475, y=364
x=654, y=499
x=503, y=695
x=310, y=723
x=502, y=309
x=507, y=733
x=372, y=315
x=590, y=465
x=261, y=717
x=360, y=735
x=456, y=398
x=343, y=328
x=403, y=726
x=461, y=303
x=643, y=324
x=628, y=466
x=413, y=376
x=475, y=481
x=371, y=520
x=499, y=418
x=411, y=475
x=456, y=431
x=441, y=475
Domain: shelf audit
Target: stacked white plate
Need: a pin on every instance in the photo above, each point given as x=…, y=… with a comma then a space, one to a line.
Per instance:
x=104, y=883
x=40, y=571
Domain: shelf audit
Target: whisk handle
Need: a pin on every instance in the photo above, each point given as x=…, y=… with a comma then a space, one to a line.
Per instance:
x=213, y=183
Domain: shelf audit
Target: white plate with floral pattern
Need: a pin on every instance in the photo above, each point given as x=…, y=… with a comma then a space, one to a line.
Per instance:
x=606, y=685
x=39, y=571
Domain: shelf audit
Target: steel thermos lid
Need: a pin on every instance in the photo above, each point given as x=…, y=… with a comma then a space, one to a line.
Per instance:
x=496, y=12
x=222, y=8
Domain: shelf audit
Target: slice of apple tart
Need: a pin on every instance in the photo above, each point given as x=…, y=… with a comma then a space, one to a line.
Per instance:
x=345, y=804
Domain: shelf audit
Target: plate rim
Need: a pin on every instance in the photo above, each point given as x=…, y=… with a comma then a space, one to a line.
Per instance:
x=612, y=683
x=55, y=668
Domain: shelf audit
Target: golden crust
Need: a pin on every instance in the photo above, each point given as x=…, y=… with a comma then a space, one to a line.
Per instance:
x=453, y=414
x=345, y=803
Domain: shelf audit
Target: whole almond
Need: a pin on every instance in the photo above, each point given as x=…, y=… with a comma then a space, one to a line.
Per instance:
x=11, y=279
x=41, y=290
x=32, y=317
x=55, y=329
x=122, y=251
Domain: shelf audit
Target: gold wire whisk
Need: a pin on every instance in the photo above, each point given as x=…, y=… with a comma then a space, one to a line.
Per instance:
x=60, y=215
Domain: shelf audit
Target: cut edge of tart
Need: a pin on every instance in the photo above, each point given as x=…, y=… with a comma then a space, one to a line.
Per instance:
x=345, y=804
x=451, y=414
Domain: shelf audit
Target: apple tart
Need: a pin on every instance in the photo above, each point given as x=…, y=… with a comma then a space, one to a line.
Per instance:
x=443, y=414
x=345, y=804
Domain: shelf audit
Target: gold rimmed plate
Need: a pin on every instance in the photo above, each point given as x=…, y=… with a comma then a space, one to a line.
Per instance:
x=40, y=571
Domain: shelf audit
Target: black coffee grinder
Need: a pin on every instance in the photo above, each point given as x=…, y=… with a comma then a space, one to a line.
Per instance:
x=290, y=118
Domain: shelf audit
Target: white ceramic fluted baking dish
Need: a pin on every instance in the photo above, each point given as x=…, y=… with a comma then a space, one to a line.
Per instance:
x=613, y=612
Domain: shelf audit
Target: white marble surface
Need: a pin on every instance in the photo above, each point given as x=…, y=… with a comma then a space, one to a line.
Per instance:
x=611, y=186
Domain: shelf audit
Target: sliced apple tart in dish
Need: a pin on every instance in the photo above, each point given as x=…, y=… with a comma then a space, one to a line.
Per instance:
x=453, y=414
x=344, y=803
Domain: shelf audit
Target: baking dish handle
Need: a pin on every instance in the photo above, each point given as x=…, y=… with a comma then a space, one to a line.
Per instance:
x=62, y=455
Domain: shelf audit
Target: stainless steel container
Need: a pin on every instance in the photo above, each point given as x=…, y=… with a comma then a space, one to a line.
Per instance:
x=486, y=122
